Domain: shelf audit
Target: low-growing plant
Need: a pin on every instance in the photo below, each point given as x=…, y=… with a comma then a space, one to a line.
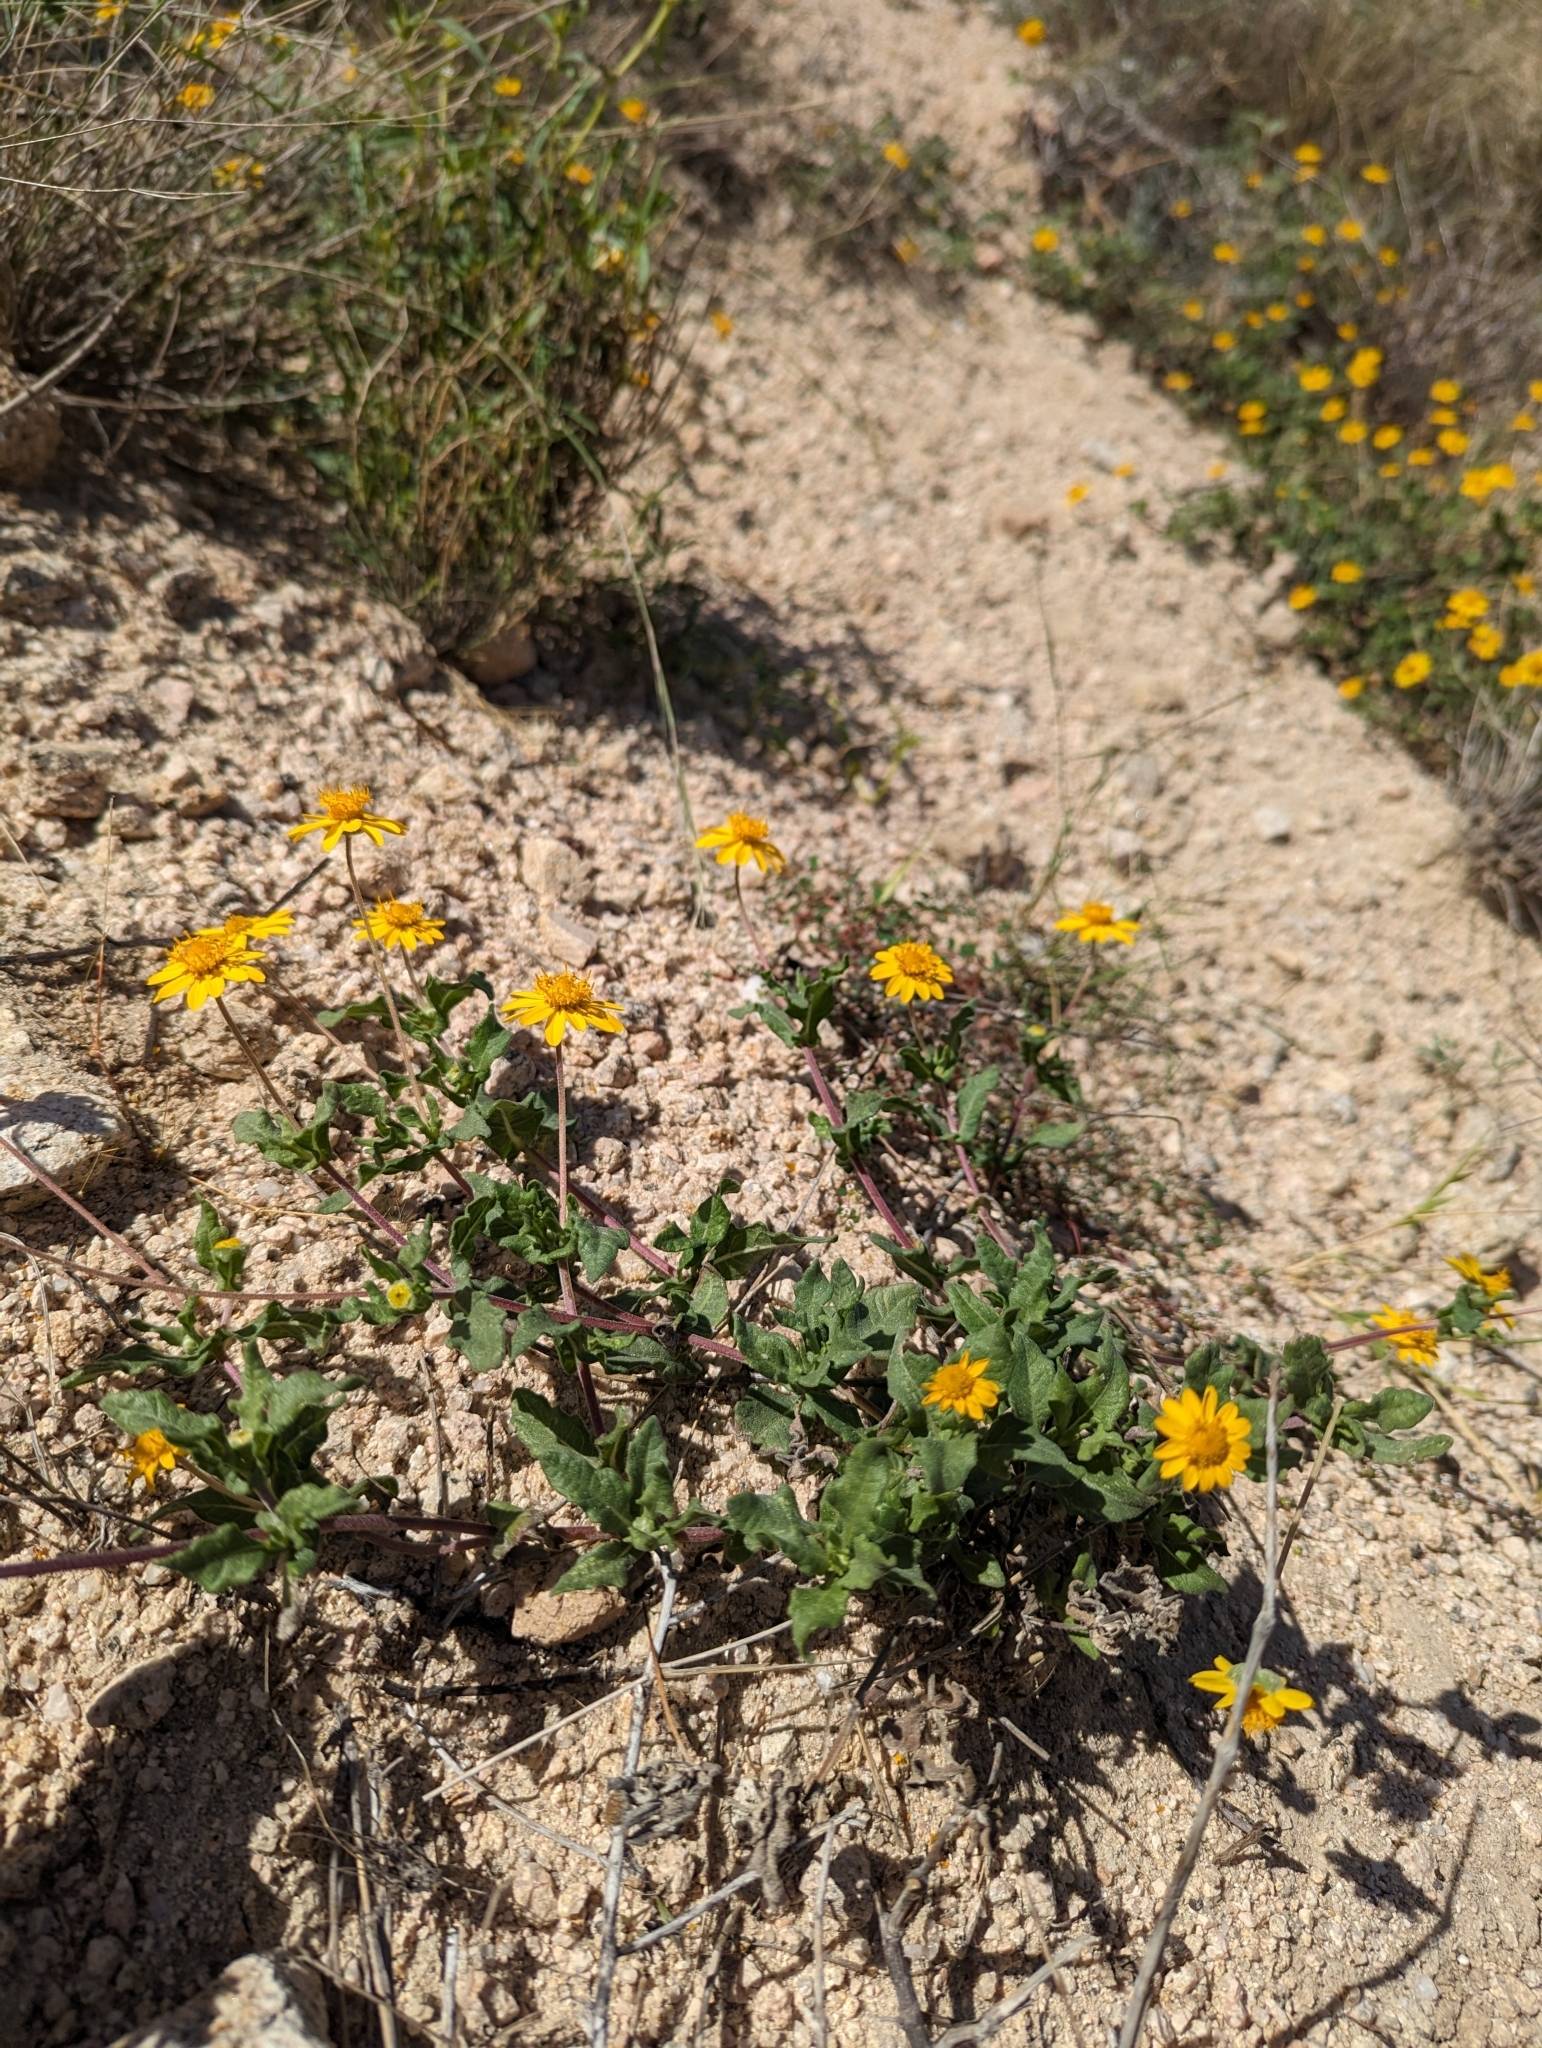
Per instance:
x=971, y=1428
x=413, y=264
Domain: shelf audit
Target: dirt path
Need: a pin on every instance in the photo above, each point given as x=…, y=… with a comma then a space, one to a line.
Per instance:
x=884, y=482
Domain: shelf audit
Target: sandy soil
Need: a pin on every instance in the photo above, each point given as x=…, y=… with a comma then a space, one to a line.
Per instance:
x=869, y=491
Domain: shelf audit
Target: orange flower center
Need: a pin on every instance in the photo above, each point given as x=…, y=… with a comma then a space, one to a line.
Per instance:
x=564, y=991
x=914, y=960
x=1209, y=1445
x=752, y=831
x=343, y=806
x=400, y=916
x=207, y=952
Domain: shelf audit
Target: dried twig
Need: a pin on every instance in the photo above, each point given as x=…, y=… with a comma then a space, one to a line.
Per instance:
x=615, y=1863
x=821, y=1890
x=973, y=2033
x=750, y=1874
x=1230, y=1743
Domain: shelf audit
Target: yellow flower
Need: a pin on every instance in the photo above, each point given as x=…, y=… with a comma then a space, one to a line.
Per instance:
x=1445, y=391
x=1335, y=409
x=911, y=969
x=1215, y=471
x=1349, y=330
x=1253, y=180
x=1095, y=924
x=1465, y=606
x=560, y=1003
x=1414, y=1346
x=1482, y=483
x=1525, y=672
x=1420, y=458
x=1364, y=366
x=962, y=1388
x=508, y=87
x=1205, y=1440
x=150, y=1454
x=1352, y=687
x=196, y=98
x=897, y=154
x=1412, y=669
x=1389, y=259
x=1224, y=252
x=1376, y=174
x=1124, y=469
x=1485, y=642
x=1443, y=416
x=743, y=839
x=1269, y=1699
x=108, y=10
x=1524, y=583
x=1252, y=409
x=1523, y=423
x=1076, y=493
x=1178, y=380
x=1314, y=377
x=1353, y=432
x=1181, y=209
x=1348, y=231
x=1305, y=300
x=1045, y=241
x=1307, y=153
x=632, y=109
x=1390, y=469
x=1346, y=572
x=399, y=1295
x=1278, y=311
x=1192, y=309
x=1386, y=437
x=341, y=812
x=391, y=923
x=1251, y=319
x=239, y=925
x=721, y=322
x=221, y=29
x=1223, y=341
x=1302, y=597
x=1534, y=390
x=579, y=174
x=1314, y=234
x=1474, y=1271
x=237, y=170
x=1452, y=441
x=202, y=965
x=1031, y=32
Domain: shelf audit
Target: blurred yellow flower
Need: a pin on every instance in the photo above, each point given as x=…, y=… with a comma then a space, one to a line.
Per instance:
x=1334, y=409
x=1314, y=376
x=1181, y=209
x=1215, y=471
x=1278, y=311
x=579, y=174
x=1346, y=572
x=1178, y=380
x=1486, y=642
x=1314, y=234
x=1353, y=432
x=1390, y=469
x=1386, y=437
x=1251, y=416
x=1420, y=458
x=1096, y=924
x=897, y=154
x=633, y=110
x=1413, y=1345
x=1389, y=259
x=1348, y=230
x=1302, y=597
x=196, y=98
x=1412, y=669
x=1465, y=607
x=1376, y=174
x=1045, y=241
x=1452, y=441
x=1031, y=32
x=1076, y=493
x=1352, y=686
x=1252, y=319
x=1523, y=423
x=1305, y=300
x=1364, y=366
x=1192, y=309
x=1224, y=252
x=1525, y=672
x=508, y=87
x=1443, y=416
x=1445, y=391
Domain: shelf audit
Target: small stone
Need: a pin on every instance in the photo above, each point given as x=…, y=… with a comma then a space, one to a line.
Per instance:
x=137, y=1698
x=1272, y=825
x=1278, y=626
x=104, y=1957
x=553, y=871
x=122, y=1908
x=71, y=782
x=503, y=657
x=1142, y=776
x=272, y=1999
x=568, y=939
x=58, y=1707
x=29, y=435
x=989, y=257
x=62, y=1119
x=44, y=590
x=651, y=1046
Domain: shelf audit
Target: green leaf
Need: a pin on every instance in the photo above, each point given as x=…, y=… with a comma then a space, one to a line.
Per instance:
x=477, y=1332
x=225, y=1557
x=1399, y=1408
x=810, y=1608
x=137, y=1409
x=1053, y=1137
x=565, y=1452
x=647, y=1470
x=598, y=1246
x=709, y=1301
x=607, y=1564
x=947, y=1461
x=772, y=1522
x=972, y=1098
x=852, y=1499
x=766, y=1419
x=1404, y=1450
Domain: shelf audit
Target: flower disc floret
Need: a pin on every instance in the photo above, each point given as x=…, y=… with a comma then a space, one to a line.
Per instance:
x=911, y=969
x=342, y=812
x=1269, y=1698
x=1098, y=924
x=201, y=966
x=560, y=1003
x=392, y=923
x=1205, y=1440
x=741, y=839
x=962, y=1388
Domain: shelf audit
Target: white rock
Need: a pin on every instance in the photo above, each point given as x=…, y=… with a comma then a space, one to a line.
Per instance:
x=53, y=1112
x=266, y=1999
x=1272, y=824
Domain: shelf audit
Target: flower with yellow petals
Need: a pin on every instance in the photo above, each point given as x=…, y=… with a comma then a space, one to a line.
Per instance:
x=1523, y=423
x=1420, y=458
x=240, y=925
x=1045, y=241
x=1252, y=416
x=1205, y=1440
x=1386, y=437
x=1314, y=377
x=1349, y=231
x=722, y=322
x=1335, y=409
x=1465, y=607
x=911, y=969
x=1376, y=174
x=150, y=1455
x=1302, y=597
x=1353, y=432
x=1225, y=252
x=1192, y=309
x=1278, y=311
x=1523, y=673
x=196, y=98
x=1181, y=209
x=1411, y=670
x=1314, y=234
x=201, y=966
x=579, y=174
x=1096, y=924
x=342, y=812
x=391, y=923
x=897, y=154
x=1445, y=391
x=1364, y=366
x=508, y=87
x=108, y=10
x=1346, y=572
x=1224, y=340
x=1352, y=687
x=1348, y=330
x=1452, y=441
x=1031, y=32
x=1482, y=483
x=1524, y=583
x=1076, y=493
x=1443, y=416
x=633, y=110
x=1389, y=259
x=743, y=839
x=1308, y=161
x=1306, y=300
x=1412, y=1336
x=1178, y=380
x=560, y=1003
x=1477, y=1274
x=1486, y=642
x=962, y=1388
x=399, y=1295
x=1269, y=1698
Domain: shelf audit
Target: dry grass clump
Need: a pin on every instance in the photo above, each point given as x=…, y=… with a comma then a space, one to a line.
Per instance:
x=414, y=262
x=1499, y=786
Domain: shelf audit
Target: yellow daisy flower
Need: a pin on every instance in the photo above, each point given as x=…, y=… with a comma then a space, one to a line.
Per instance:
x=897, y=154
x=1477, y=1274
x=196, y=98
x=1352, y=687
x=508, y=87
x=1376, y=174
x=1412, y=669
x=201, y=966
x=1045, y=241
x=1095, y=924
x=150, y=1454
x=1314, y=377
x=632, y=110
x=1178, y=380
x=391, y=923
x=1192, y=309
x=1224, y=340
x=1302, y=597
x=1346, y=572
x=1414, y=1346
x=911, y=969
x=1225, y=252
x=560, y=1003
x=1486, y=642
x=962, y=1388
x=399, y=1295
x=1386, y=437
x=742, y=839
x=1205, y=1440
x=579, y=174
x=1445, y=391
x=241, y=926
x=1031, y=32
x=1269, y=1699
x=1364, y=366
x=340, y=812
